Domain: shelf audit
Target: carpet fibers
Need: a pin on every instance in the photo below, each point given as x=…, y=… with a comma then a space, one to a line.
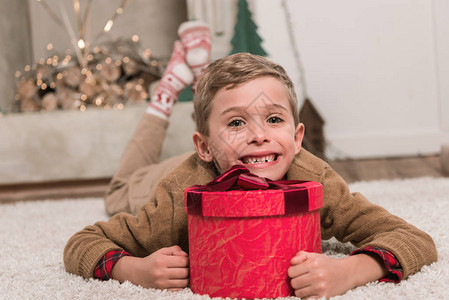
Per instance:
x=33, y=235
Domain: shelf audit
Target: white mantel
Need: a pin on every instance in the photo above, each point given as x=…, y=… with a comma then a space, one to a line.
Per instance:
x=66, y=145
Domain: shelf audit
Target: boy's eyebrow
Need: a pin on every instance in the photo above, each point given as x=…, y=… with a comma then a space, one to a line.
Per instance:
x=233, y=108
x=243, y=108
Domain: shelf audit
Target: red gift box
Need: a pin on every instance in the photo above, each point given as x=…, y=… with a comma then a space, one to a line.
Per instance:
x=244, y=230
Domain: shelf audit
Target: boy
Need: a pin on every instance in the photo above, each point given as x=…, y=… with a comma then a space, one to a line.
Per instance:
x=246, y=113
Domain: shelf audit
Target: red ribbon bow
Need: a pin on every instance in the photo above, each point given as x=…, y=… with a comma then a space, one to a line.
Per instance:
x=240, y=178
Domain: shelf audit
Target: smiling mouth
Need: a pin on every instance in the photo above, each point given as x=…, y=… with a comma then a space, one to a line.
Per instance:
x=259, y=159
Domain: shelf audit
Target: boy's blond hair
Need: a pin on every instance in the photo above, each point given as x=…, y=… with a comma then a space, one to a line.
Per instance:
x=230, y=72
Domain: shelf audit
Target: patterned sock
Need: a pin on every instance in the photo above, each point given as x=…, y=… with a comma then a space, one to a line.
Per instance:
x=196, y=38
x=176, y=77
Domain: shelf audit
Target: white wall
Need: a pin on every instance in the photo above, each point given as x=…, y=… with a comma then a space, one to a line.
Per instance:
x=376, y=70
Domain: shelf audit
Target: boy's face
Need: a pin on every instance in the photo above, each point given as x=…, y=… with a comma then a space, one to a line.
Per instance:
x=252, y=125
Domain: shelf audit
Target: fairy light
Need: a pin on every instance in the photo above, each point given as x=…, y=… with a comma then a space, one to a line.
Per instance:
x=108, y=25
x=147, y=53
x=49, y=73
x=81, y=44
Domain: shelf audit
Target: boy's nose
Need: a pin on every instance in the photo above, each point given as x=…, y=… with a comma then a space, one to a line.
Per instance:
x=257, y=135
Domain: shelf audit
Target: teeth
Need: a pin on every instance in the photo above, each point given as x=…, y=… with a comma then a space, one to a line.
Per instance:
x=261, y=159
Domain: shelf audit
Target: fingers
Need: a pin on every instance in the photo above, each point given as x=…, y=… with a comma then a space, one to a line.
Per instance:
x=300, y=257
x=178, y=273
x=177, y=262
x=173, y=250
x=172, y=285
x=307, y=293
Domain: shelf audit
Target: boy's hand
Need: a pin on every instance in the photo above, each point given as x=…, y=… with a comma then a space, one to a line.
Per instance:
x=318, y=275
x=166, y=268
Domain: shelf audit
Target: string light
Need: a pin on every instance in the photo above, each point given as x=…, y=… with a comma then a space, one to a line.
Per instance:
x=147, y=53
x=108, y=25
x=81, y=44
x=95, y=76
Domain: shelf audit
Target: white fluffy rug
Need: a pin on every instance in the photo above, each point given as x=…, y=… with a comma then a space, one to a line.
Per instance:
x=33, y=235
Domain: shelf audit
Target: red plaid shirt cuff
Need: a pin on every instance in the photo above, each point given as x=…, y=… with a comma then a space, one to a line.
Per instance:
x=103, y=270
x=391, y=263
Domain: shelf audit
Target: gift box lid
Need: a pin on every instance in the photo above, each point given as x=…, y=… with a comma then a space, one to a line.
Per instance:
x=239, y=193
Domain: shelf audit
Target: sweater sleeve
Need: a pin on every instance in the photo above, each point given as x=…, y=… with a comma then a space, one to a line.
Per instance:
x=160, y=223
x=350, y=217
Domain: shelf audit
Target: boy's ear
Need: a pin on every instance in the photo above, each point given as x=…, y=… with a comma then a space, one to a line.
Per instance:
x=299, y=135
x=202, y=147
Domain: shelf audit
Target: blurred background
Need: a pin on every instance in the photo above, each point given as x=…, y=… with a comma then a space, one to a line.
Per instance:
x=371, y=79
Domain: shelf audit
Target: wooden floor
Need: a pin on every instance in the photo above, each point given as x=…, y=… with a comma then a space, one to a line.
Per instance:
x=350, y=170
x=388, y=168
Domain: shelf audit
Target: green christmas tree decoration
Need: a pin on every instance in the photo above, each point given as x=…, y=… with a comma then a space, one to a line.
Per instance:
x=245, y=37
x=186, y=94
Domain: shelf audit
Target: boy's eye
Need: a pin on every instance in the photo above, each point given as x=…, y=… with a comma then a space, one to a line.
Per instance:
x=236, y=123
x=274, y=120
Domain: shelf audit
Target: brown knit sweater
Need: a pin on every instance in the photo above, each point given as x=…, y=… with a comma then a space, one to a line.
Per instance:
x=162, y=222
